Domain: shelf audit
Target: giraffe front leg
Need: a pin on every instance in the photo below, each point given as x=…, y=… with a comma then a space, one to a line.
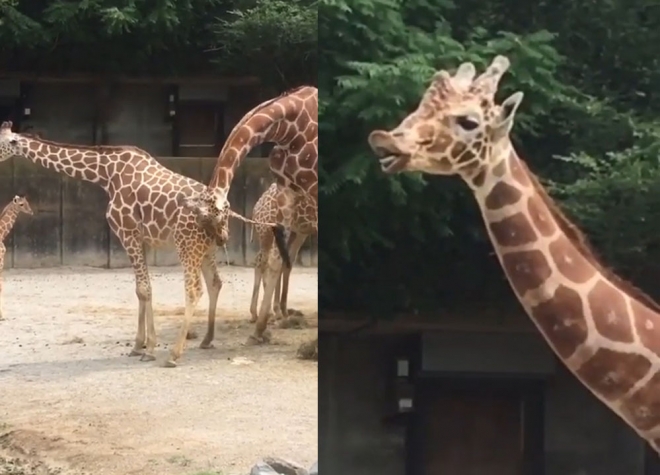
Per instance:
x=213, y=287
x=193, y=285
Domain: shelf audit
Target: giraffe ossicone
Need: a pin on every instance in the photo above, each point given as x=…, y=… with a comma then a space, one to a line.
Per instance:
x=605, y=331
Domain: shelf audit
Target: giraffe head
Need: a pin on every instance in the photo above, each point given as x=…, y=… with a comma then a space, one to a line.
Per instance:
x=211, y=207
x=21, y=204
x=457, y=128
x=9, y=142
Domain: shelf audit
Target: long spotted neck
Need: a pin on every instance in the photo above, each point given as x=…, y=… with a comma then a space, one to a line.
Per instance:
x=280, y=121
x=7, y=219
x=82, y=164
x=609, y=338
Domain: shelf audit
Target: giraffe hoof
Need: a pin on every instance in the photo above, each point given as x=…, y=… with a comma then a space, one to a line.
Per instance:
x=206, y=346
x=135, y=352
x=170, y=363
x=254, y=340
x=147, y=357
x=258, y=339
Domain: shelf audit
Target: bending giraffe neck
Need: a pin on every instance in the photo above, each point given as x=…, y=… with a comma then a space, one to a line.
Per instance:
x=605, y=330
x=7, y=219
x=95, y=164
x=270, y=121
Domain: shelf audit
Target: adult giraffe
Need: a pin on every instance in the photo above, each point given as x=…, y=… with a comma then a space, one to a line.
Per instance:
x=291, y=122
x=142, y=211
x=604, y=330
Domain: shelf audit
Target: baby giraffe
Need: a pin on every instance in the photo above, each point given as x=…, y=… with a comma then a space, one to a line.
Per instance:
x=7, y=219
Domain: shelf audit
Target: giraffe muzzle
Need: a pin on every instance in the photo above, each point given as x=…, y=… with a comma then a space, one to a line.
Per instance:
x=392, y=158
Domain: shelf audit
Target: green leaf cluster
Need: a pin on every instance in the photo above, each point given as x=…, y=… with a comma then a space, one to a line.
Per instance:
x=588, y=126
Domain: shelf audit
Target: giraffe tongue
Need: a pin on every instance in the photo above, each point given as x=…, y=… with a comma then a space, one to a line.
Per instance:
x=393, y=163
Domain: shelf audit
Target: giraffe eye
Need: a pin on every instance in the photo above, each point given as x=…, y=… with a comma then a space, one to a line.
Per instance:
x=466, y=122
x=425, y=142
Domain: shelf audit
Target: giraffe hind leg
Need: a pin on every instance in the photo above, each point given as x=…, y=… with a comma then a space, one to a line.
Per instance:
x=271, y=276
x=258, y=273
x=3, y=250
x=296, y=241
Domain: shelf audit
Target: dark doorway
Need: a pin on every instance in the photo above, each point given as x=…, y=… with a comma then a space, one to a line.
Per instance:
x=201, y=129
x=470, y=427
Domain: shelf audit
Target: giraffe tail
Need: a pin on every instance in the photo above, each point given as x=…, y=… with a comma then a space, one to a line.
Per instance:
x=280, y=242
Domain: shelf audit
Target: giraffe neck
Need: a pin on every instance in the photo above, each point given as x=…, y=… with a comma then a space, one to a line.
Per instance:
x=7, y=219
x=604, y=330
x=280, y=121
x=88, y=164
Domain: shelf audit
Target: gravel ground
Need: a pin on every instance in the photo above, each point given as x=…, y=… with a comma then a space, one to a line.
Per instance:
x=72, y=401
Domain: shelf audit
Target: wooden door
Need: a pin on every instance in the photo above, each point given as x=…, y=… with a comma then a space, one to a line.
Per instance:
x=200, y=129
x=468, y=432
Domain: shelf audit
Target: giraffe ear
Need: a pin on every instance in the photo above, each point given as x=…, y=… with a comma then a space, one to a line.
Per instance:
x=504, y=122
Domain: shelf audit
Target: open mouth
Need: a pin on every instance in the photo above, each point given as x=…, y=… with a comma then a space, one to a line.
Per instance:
x=394, y=163
x=392, y=158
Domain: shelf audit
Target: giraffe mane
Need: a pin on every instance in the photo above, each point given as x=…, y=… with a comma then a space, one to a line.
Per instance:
x=265, y=104
x=5, y=209
x=582, y=244
x=94, y=148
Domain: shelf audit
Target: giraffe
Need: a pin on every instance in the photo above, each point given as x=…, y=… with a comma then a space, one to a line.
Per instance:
x=19, y=204
x=291, y=122
x=142, y=211
x=603, y=329
x=304, y=217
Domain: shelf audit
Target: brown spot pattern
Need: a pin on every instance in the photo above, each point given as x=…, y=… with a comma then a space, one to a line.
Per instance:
x=457, y=149
x=526, y=270
x=541, y=216
x=562, y=321
x=647, y=324
x=442, y=142
x=502, y=195
x=479, y=179
x=570, y=262
x=466, y=156
x=612, y=373
x=608, y=307
x=512, y=231
x=500, y=169
x=642, y=409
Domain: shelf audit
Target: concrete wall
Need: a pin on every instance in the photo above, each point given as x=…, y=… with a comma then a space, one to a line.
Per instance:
x=69, y=226
x=353, y=401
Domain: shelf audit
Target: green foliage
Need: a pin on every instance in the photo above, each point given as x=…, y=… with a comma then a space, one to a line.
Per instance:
x=161, y=37
x=274, y=37
x=410, y=242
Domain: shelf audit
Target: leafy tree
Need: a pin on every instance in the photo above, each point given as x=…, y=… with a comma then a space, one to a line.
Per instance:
x=413, y=243
x=165, y=37
x=274, y=39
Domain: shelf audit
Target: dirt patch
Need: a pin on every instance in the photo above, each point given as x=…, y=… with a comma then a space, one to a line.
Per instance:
x=72, y=402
